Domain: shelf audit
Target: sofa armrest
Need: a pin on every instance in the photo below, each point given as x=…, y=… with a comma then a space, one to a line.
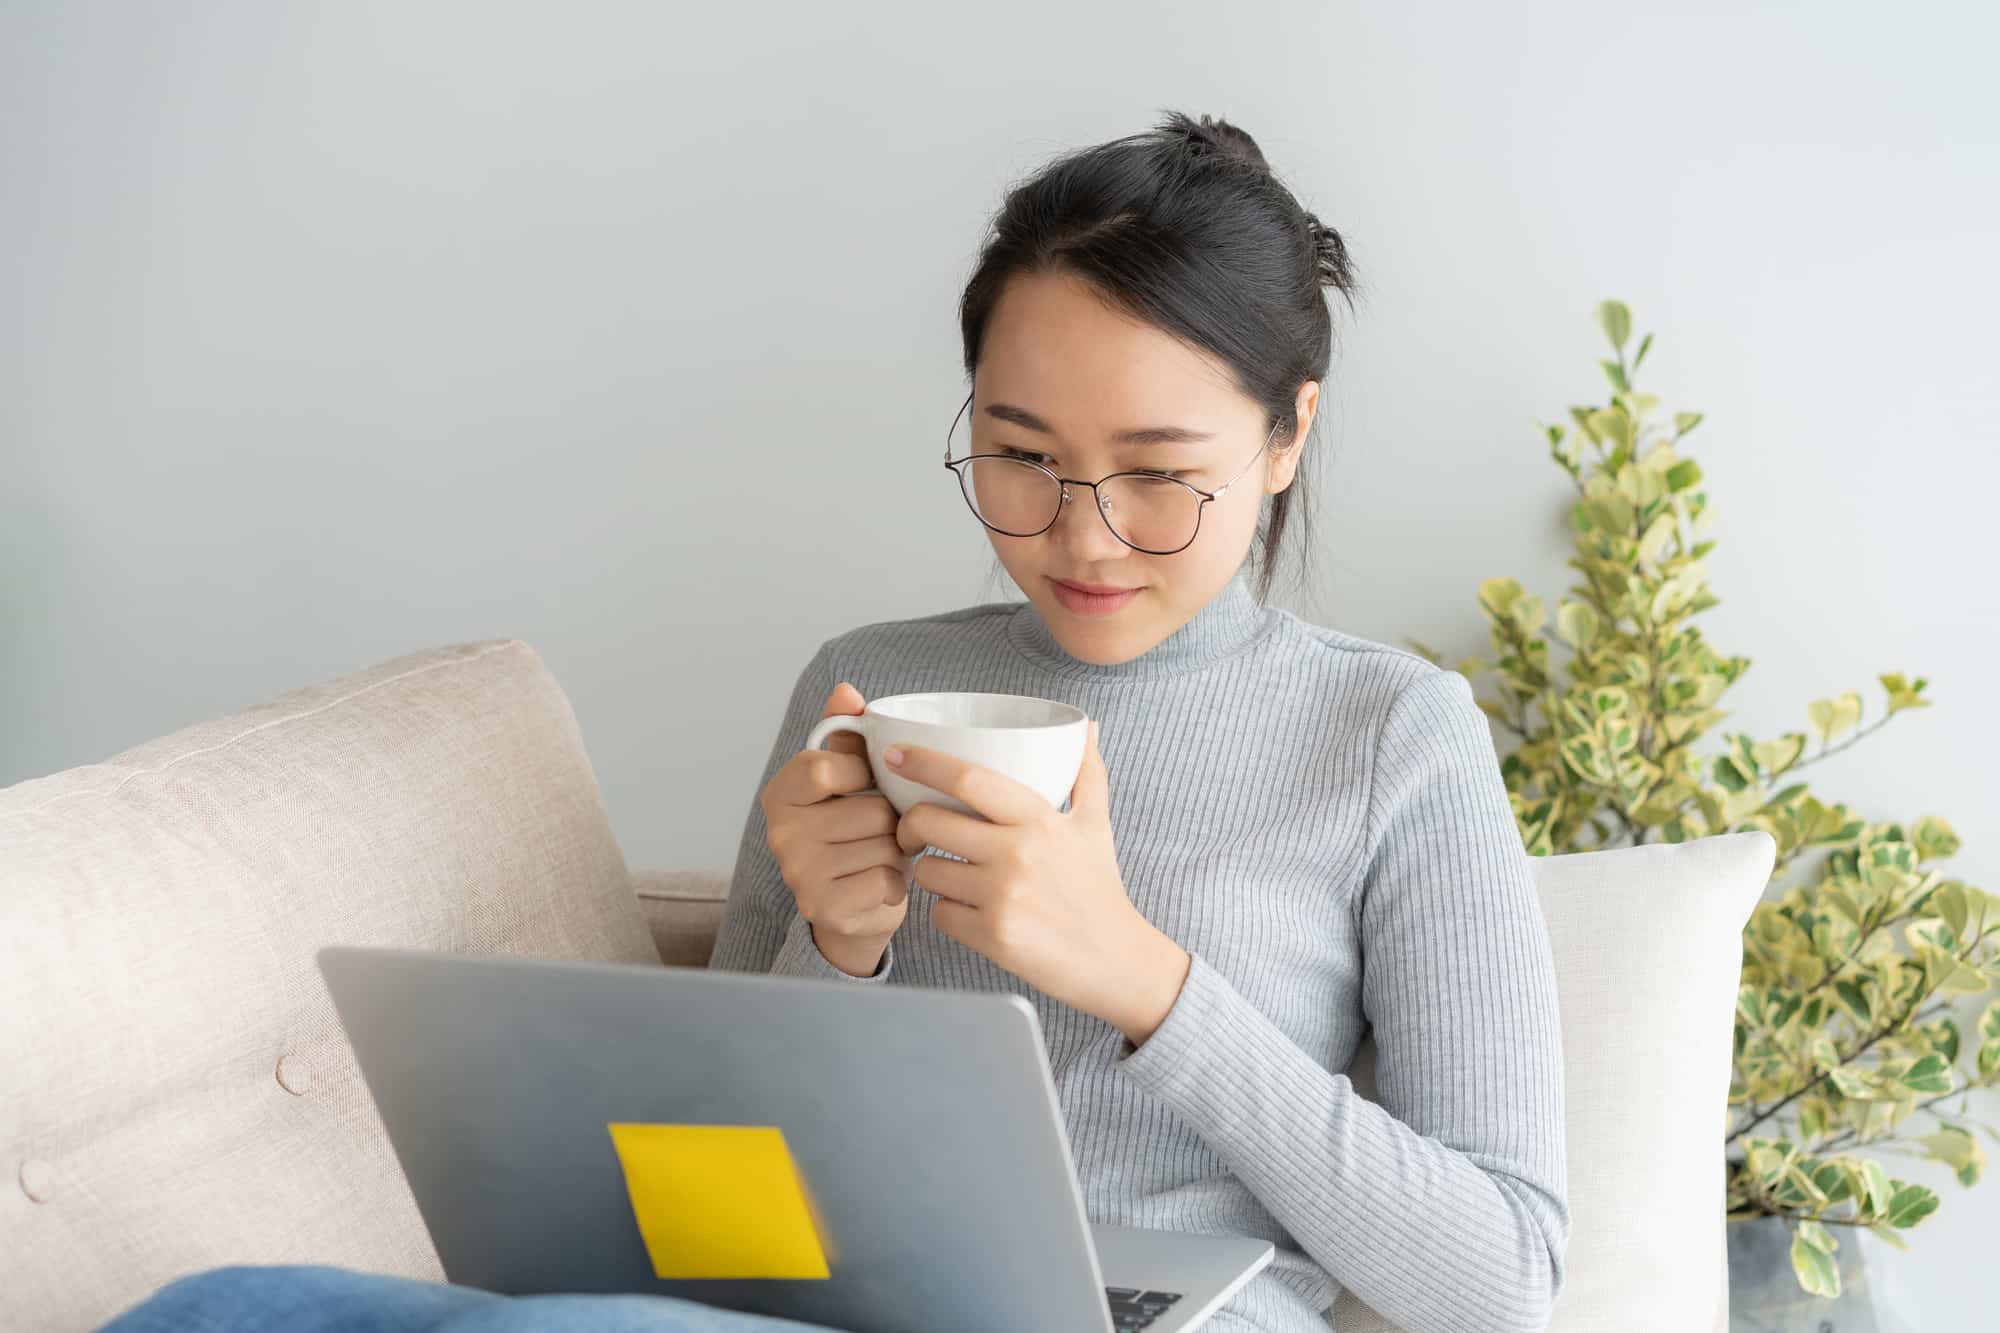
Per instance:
x=683, y=909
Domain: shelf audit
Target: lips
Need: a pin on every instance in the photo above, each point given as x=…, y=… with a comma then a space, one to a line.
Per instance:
x=1102, y=589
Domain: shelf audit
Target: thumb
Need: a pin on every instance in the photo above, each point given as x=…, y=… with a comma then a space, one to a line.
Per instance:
x=844, y=701
x=1092, y=792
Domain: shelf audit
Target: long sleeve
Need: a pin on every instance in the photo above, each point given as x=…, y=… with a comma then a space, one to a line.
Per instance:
x=1445, y=1206
x=762, y=930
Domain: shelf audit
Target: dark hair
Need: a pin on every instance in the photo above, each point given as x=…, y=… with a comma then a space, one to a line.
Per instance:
x=1186, y=228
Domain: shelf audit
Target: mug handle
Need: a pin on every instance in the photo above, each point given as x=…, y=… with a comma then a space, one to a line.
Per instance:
x=857, y=723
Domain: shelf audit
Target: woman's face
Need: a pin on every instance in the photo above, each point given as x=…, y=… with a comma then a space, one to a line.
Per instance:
x=1088, y=373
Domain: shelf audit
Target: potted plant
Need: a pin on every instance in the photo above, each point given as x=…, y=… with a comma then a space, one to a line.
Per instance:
x=1856, y=1035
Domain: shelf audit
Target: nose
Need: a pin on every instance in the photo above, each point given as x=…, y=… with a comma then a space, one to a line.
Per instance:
x=1084, y=530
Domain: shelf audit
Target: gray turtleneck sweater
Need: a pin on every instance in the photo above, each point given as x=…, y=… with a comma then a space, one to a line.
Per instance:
x=1320, y=821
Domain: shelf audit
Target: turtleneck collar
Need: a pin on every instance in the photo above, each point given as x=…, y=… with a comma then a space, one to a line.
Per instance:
x=1232, y=620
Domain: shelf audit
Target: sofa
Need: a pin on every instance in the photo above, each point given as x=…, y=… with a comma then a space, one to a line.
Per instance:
x=176, y=1093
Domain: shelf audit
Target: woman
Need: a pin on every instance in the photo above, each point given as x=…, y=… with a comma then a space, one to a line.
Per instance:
x=1282, y=835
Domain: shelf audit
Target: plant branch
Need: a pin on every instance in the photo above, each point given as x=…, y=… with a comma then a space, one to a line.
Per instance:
x=1854, y=1135
x=1830, y=751
x=1900, y=1023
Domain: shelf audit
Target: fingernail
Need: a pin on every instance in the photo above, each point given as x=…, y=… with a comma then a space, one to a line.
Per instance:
x=894, y=756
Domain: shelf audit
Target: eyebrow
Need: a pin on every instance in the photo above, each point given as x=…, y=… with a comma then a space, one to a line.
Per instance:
x=1021, y=416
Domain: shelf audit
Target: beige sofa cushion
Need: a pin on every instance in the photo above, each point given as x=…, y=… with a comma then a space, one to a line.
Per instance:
x=175, y=1091
x=1647, y=943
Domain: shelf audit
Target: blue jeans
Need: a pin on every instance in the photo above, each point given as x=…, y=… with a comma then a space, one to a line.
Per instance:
x=314, y=1298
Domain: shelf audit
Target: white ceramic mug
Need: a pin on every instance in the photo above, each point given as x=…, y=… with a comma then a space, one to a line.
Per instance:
x=1037, y=742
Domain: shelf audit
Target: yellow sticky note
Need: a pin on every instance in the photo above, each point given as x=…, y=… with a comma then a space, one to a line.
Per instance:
x=719, y=1201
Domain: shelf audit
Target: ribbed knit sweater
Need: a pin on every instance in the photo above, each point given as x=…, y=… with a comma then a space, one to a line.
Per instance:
x=1320, y=821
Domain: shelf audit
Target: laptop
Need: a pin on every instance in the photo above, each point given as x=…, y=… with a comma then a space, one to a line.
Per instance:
x=924, y=1139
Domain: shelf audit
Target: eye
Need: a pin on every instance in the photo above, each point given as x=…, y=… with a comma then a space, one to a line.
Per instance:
x=1030, y=456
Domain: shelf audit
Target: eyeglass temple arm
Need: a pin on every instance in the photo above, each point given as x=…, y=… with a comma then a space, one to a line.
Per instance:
x=1223, y=489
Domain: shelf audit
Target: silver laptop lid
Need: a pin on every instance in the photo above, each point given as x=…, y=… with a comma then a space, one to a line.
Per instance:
x=924, y=1123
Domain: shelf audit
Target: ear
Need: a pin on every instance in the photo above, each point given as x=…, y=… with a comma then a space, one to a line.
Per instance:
x=1286, y=465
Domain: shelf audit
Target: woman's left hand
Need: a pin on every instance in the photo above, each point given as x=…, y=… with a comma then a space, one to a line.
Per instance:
x=1039, y=891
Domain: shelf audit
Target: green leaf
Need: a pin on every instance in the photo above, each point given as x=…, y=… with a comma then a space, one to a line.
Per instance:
x=1875, y=1191
x=1855, y=1000
x=1745, y=755
x=1616, y=427
x=1963, y=979
x=1855, y=1085
x=1615, y=375
x=1800, y=1190
x=1788, y=795
x=1582, y=417
x=1497, y=596
x=1903, y=695
x=1935, y=838
x=1831, y=1177
x=1684, y=475
x=1685, y=422
x=1577, y=623
x=1774, y=757
x=1911, y=1205
x=1583, y=757
x=1831, y=717
x=1956, y=1148
x=1653, y=543
x=1528, y=616
x=1989, y=1057
x=1616, y=320
x=1843, y=902
x=1930, y=1074
x=1812, y=1260
x=1727, y=775
x=1888, y=1234
x=1948, y=901
x=1644, y=343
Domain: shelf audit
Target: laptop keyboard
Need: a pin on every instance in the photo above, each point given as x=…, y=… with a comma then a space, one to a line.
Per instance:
x=1132, y=1309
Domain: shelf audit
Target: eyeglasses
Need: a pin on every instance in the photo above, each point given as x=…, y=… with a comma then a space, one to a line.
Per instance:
x=1151, y=513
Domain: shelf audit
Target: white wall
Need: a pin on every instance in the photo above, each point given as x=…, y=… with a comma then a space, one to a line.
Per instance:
x=339, y=331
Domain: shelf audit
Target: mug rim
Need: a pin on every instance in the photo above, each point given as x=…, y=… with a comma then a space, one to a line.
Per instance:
x=1076, y=714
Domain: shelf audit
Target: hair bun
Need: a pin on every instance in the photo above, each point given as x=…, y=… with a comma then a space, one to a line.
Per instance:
x=1329, y=254
x=1217, y=135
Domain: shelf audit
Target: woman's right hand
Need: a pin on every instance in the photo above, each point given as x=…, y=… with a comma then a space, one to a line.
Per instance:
x=837, y=851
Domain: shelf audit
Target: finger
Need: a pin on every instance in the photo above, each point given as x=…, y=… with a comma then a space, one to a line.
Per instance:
x=929, y=824
x=955, y=921
x=958, y=881
x=895, y=885
x=842, y=819
x=845, y=701
x=988, y=791
x=968, y=925
x=868, y=891
x=819, y=774
x=848, y=858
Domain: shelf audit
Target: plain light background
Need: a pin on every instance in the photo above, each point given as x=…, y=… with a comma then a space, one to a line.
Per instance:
x=335, y=332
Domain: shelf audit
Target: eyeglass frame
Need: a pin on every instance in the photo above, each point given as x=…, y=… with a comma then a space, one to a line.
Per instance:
x=1064, y=483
